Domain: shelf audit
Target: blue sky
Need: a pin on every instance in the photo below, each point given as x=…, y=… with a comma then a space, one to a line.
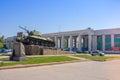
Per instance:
x=49, y=16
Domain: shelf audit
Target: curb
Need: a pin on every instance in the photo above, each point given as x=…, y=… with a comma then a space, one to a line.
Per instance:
x=106, y=60
x=42, y=64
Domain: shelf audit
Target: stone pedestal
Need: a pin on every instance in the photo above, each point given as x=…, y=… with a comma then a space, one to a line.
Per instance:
x=33, y=50
x=18, y=52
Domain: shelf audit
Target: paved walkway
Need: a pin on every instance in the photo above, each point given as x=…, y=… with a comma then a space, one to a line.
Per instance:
x=4, y=56
x=90, y=70
x=76, y=57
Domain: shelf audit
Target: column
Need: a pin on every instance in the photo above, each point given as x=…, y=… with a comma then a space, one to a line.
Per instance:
x=59, y=42
x=71, y=42
x=56, y=42
x=62, y=42
x=89, y=42
x=112, y=40
x=103, y=42
x=79, y=42
x=94, y=42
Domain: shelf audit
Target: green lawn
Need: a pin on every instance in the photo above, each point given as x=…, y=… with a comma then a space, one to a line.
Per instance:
x=98, y=58
x=38, y=60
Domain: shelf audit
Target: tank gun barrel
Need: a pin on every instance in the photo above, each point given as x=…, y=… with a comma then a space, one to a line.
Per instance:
x=24, y=29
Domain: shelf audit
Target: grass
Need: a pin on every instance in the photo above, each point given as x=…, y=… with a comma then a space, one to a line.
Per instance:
x=50, y=59
x=98, y=58
x=37, y=60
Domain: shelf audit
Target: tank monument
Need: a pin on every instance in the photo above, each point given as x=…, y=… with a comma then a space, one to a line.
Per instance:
x=34, y=38
x=31, y=44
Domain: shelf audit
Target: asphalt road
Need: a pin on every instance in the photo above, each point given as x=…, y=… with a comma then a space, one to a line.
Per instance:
x=89, y=70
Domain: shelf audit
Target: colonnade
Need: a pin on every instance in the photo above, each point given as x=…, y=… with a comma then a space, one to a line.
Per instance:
x=74, y=41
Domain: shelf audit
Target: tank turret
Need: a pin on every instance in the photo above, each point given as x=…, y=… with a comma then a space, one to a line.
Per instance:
x=34, y=38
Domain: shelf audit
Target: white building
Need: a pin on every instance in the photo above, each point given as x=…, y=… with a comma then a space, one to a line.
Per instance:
x=9, y=42
x=88, y=39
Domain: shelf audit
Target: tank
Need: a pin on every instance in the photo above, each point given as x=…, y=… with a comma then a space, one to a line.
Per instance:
x=34, y=38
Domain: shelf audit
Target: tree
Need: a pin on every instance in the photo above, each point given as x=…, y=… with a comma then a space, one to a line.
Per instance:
x=1, y=45
x=1, y=39
x=1, y=42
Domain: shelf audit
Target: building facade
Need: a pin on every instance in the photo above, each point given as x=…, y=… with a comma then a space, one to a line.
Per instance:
x=88, y=39
x=9, y=42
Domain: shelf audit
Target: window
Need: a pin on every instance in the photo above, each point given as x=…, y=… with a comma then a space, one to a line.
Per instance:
x=107, y=42
x=117, y=40
x=99, y=42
